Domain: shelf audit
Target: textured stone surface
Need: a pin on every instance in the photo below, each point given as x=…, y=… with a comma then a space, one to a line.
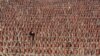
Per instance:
x=61, y=27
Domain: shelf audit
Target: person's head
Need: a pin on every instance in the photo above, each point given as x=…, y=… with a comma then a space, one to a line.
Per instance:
x=32, y=33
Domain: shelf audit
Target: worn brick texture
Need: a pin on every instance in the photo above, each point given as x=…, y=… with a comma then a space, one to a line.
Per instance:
x=49, y=27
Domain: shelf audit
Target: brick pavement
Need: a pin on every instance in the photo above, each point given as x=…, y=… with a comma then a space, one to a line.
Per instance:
x=60, y=27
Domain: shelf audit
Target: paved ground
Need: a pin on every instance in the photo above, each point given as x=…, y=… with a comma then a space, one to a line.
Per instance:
x=49, y=27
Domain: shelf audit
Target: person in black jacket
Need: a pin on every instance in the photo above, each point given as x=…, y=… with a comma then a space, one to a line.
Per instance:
x=32, y=35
